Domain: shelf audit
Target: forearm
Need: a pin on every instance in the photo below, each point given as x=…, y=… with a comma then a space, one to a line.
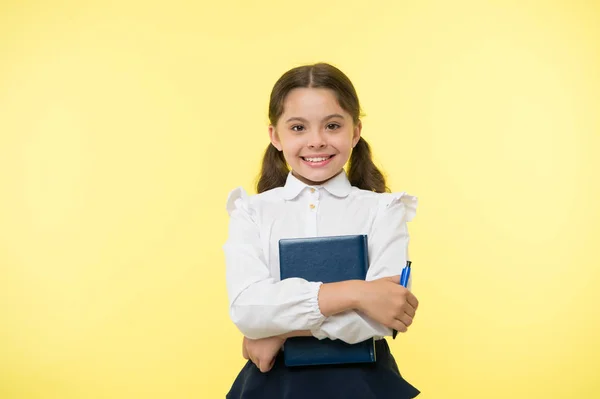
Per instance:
x=350, y=327
x=268, y=308
x=342, y=303
x=339, y=297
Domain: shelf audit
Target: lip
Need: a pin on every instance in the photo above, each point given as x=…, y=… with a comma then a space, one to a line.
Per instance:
x=317, y=155
x=317, y=164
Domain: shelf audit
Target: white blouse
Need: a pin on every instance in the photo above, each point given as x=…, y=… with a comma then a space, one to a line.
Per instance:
x=261, y=305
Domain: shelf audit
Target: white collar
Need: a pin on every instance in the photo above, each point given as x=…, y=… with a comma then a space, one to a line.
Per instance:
x=338, y=186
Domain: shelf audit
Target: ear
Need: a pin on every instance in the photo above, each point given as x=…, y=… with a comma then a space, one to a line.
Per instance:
x=356, y=133
x=274, y=137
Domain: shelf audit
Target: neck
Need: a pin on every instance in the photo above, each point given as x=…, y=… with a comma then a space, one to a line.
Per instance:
x=311, y=182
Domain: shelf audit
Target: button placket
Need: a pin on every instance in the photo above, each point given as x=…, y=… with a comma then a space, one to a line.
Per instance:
x=313, y=207
x=314, y=199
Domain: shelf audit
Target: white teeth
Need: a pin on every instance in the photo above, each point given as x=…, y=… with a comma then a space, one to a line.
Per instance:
x=321, y=159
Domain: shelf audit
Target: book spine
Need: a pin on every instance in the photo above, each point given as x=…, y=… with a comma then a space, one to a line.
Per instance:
x=366, y=253
x=371, y=344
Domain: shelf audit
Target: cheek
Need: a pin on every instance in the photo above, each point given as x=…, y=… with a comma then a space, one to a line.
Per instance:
x=343, y=144
x=292, y=146
x=290, y=154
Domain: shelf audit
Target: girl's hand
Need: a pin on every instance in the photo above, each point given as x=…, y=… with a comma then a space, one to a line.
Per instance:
x=387, y=302
x=262, y=352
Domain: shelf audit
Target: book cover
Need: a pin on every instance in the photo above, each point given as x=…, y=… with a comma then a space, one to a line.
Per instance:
x=327, y=259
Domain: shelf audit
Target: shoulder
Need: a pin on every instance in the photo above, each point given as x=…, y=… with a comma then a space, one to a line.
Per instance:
x=388, y=202
x=239, y=199
x=400, y=202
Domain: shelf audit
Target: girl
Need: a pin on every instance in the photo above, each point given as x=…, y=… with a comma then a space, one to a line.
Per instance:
x=304, y=191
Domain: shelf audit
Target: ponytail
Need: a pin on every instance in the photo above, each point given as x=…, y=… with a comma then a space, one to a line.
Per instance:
x=274, y=170
x=362, y=172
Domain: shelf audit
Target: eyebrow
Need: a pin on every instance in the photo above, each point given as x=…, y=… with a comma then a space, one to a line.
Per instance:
x=297, y=118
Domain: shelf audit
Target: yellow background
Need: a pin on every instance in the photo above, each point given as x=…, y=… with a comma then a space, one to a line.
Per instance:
x=123, y=126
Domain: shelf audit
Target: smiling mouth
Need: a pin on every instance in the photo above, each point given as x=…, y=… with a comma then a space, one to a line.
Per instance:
x=317, y=159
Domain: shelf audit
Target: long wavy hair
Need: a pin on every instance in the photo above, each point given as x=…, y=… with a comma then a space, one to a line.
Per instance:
x=362, y=172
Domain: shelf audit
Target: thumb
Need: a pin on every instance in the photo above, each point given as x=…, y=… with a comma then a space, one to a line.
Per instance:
x=393, y=279
x=244, y=350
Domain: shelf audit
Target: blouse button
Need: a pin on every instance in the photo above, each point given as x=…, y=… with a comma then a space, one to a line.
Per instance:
x=312, y=206
x=312, y=190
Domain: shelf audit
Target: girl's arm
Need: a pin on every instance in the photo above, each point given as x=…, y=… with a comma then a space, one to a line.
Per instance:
x=260, y=306
x=388, y=252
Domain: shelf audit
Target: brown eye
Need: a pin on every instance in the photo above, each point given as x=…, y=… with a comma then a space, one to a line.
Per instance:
x=297, y=128
x=333, y=126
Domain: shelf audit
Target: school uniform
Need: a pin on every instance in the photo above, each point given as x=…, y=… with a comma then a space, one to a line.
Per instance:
x=261, y=305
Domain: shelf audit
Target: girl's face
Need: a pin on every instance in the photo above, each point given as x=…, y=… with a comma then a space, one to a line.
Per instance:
x=315, y=134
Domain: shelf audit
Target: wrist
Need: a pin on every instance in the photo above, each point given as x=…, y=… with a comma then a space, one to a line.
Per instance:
x=357, y=294
x=354, y=294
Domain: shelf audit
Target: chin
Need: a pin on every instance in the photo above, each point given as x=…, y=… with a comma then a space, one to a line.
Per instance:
x=320, y=176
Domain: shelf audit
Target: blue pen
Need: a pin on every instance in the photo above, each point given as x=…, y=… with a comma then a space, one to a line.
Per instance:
x=403, y=282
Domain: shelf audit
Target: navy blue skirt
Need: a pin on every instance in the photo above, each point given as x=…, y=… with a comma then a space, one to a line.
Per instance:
x=379, y=380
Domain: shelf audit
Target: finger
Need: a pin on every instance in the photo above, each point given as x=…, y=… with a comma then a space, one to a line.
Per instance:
x=393, y=279
x=399, y=326
x=410, y=298
x=406, y=320
x=408, y=309
x=244, y=350
x=264, y=366
x=269, y=366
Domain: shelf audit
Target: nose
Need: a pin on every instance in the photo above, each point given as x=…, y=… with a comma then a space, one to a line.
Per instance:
x=317, y=139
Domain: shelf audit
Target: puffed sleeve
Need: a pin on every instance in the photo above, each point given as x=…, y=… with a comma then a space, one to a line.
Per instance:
x=258, y=305
x=388, y=252
x=389, y=240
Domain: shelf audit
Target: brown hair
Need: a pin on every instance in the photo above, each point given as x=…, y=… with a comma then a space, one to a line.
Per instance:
x=362, y=172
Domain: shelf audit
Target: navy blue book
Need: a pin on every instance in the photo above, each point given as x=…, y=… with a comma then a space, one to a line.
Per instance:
x=326, y=259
